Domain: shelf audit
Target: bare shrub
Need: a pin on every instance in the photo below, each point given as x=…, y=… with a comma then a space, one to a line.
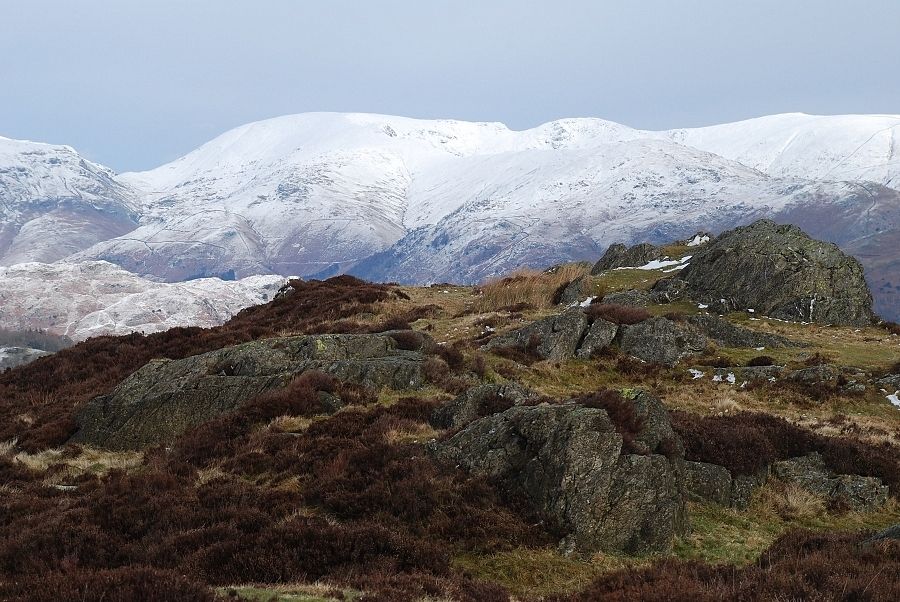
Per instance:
x=617, y=314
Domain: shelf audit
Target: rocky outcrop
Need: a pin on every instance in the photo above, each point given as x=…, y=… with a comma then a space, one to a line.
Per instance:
x=620, y=256
x=668, y=290
x=13, y=357
x=600, y=335
x=657, y=340
x=725, y=334
x=748, y=374
x=629, y=298
x=662, y=341
x=554, y=338
x=568, y=461
x=816, y=375
x=811, y=473
x=574, y=292
x=705, y=482
x=891, y=382
x=780, y=272
x=891, y=533
x=166, y=397
x=478, y=402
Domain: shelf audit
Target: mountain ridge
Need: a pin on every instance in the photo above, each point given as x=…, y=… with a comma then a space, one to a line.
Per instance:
x=326, y=193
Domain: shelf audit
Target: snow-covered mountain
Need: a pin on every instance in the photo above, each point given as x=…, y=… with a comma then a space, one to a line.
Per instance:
x=319, y=192
x=54, y=203
x=424, y=200
x=92, y=298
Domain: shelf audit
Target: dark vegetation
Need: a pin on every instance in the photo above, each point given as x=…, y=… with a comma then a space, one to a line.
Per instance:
x=345, y=498
x=621, y=413
x=617, y=314
x=36, y=339
x=891, y=327
x=40, y=398
x=799, y=566
x=747, y=442
x=526, y=355
x=761, y=360
x=285, y=489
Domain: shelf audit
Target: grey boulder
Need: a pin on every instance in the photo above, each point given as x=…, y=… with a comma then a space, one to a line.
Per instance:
x=662, y=341
x=567, y=460
x=555, y=337
x=780, y=272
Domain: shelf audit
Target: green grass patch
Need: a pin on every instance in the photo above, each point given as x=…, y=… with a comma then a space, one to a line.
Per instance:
x=726, y=535
x=290, y=593
x=529, y=572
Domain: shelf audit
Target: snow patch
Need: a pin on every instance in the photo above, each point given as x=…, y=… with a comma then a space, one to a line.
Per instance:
x=698, y=240
x=659, y=264
x=695, y=373
x=895, y=398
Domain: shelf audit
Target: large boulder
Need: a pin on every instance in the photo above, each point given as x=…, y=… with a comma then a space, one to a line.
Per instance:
x=164, y=398
x=811, y=473
x=780, y=272
x=555, y=337
x=620, y=256
x=568, y=461
x=662, y=341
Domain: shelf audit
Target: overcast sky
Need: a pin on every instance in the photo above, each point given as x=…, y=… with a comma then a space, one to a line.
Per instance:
x=136, y=83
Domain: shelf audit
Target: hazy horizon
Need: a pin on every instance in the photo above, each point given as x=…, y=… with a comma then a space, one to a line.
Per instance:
x=133, y=85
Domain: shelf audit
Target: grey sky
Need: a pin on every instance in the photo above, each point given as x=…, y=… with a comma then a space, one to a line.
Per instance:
x=136, y=83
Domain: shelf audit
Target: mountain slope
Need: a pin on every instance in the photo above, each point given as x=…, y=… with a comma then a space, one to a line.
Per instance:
x=319, y=192
x=425, y=200
x=94, y=298
x=53, y=202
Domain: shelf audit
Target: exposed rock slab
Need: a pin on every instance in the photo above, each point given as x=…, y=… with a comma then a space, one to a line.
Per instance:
x=662, y=341
x=629, y=298
x=600, y=335
x=166, y=397
x=725, y=334
x=713, y=483
x=557, y=337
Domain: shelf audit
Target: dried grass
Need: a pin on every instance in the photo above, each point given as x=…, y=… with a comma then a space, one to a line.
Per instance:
x=531, y=287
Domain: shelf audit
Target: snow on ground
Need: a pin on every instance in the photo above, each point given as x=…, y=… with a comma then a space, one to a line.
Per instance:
x=895, y=398
x=698, y=240
x=659, y=264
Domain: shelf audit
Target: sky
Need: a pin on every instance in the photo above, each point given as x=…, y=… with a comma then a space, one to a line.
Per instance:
x=134, y=84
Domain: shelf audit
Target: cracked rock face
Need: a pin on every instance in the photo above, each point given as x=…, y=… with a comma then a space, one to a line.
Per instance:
x=568, y=462
x=164, y=398
x=780, y=272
